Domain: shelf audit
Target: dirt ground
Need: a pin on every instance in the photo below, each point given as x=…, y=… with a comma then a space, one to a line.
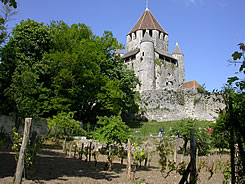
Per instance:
x=53, y=166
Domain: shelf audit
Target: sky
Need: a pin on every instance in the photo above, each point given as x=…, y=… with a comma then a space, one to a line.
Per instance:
x=207, y=31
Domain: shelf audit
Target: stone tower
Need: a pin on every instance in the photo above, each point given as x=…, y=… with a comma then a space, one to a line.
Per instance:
x=147, y=54
x=180, y=58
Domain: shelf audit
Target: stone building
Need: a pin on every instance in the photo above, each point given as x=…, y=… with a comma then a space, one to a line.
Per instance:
x=165, y=96
x=148, y=55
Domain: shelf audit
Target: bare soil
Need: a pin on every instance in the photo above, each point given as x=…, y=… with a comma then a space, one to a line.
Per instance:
x=53, y=166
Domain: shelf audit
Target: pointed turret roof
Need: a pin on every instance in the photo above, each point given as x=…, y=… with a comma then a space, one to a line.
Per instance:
x=147, y=21
x=177, y=49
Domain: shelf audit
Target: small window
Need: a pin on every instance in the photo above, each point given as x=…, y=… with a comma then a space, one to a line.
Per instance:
x=144, y=33
x=143, y=53
x=130, y=37
x=135, y=35
x=150, y=32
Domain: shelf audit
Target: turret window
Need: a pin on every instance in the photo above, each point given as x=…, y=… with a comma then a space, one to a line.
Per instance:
x=144, y=33
x=150, y=33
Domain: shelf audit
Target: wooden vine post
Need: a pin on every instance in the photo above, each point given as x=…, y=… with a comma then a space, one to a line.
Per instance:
x=193, y=176
x=21, y=160
x=129, y=160
x=191, y=168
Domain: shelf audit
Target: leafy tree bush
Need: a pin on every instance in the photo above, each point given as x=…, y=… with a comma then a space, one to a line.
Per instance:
x=112, y=130
x=64, y=125
x=22, y=70
x=220, y=137
x=202, y=136
x=46, y=70
x=232, y=118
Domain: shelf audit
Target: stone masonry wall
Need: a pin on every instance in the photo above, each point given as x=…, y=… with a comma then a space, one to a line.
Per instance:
x=38, y=125
x=177, y=104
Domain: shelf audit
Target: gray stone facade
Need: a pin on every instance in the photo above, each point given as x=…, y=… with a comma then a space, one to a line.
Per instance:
x=176, y=104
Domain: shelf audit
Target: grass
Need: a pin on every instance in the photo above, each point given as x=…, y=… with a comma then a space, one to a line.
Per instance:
x=152, y=127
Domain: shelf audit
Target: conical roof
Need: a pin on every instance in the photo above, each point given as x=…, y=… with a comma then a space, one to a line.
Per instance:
x=147, y=21
x=177, y=49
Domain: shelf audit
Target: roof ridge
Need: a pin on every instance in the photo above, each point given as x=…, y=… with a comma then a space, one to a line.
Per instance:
x=152, y=20
x=142, y=19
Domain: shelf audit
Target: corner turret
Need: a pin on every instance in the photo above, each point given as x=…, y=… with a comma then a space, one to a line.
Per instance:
x=177, y=54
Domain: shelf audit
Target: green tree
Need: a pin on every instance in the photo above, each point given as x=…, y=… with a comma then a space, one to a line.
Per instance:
x=23, y=73
x=64, y=125
x=47, y=70
x=232, y=118
x=220, y=137
x=87, y=76
x=6, y=12
x=112, y=130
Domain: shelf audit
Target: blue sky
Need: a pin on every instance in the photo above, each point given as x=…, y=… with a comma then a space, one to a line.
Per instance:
x=207, y=31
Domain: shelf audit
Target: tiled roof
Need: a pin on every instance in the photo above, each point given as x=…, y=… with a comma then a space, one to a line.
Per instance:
x=164, y=53
x=147, y=21
x=131, y=53
x=191, y=84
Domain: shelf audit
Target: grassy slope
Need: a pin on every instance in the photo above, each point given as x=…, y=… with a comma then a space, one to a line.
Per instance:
x=152, y=127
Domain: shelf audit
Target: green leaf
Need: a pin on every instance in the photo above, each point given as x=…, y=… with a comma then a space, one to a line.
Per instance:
x=237, y=55
x=232, y=79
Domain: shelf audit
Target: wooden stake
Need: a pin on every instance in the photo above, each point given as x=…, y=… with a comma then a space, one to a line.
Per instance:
x=64, y=145
x=193, y=176
x=70, y=150
x=90, y=152
x=20, y=164
x=129, y=160
x=75, y=151
x=175, y=155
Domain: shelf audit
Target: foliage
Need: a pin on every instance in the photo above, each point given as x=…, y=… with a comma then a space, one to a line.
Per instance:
x=220, y=137
x=33, y=148
x=46, y=70
x=22, y=71
x=64, y=125
x=138, y=156
x=164, y=151
x=238, y=58
x=203, y=138
x=87, y=77
x=231, y=119
x=112, y=130
x=12, y=3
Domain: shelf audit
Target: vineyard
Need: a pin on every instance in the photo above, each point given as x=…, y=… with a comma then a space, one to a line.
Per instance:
x=80, y=160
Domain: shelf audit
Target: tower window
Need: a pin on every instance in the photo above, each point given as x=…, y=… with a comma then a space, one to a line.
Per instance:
x=144, y=33
x=143, y=53
x=150, y=32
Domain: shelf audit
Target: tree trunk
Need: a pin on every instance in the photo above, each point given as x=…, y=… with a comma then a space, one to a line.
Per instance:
x=232, y=140
x=185, y=146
